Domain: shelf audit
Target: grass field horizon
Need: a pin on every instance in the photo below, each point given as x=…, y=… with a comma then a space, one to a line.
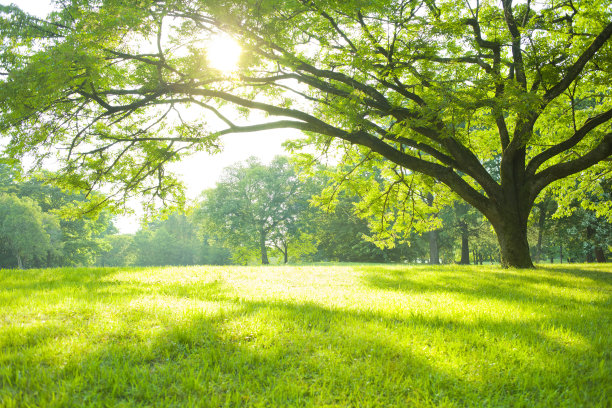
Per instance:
x=317, y=335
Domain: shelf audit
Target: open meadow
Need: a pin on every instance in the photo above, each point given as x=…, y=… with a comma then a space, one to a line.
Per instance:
x=325, y=335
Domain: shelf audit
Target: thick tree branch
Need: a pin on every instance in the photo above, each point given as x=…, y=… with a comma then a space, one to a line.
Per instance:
x=577, y=67
x=502, y=128
x=340, y=77
x=558, y=171
x=570, y=142
x=427, y=149
x=302, y=65
x=111, y=110
x=491, y=45
x=444, y=174
x=517, y=53
x=160, y=63
x=467, y=59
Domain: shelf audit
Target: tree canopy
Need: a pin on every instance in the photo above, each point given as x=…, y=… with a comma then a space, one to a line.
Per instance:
x=22, y=229
x=255, y=206
x=427, y=90
x=69, y=237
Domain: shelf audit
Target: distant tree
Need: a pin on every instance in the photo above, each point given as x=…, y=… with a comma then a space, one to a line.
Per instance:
x=173, y=240
x=212, y=254
x=575, y=226
x=581, y=236
x=22, y=232
x=75, y=226
x=467, y=225
x=85, y=238
x=433, y=236
x=384, y=204
x=343, y=235
x=55, y=254
x=340, y=236
x=255, y=207
x=9, y=173
x=120, y=251
x=542, y=210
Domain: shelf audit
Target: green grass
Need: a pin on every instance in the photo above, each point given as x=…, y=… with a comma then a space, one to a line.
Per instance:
x=353, y=335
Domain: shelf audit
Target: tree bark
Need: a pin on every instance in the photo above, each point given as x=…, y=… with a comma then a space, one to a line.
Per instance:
x=434, y=250
x=512, y=238
x=263, y=248
x=285, y=252
x=461, y=212
x=600, y=256
x=19, y=262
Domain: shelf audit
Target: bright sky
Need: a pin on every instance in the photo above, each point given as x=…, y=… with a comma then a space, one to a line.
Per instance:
x=200, y=171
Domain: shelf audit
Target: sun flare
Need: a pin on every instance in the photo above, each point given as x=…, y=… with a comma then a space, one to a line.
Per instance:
x=223, y=53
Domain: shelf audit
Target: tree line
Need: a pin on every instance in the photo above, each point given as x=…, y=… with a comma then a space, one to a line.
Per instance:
x=43, y=226
x=276, y=213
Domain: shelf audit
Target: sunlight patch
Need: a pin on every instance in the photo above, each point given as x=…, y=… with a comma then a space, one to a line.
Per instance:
x=223, y=53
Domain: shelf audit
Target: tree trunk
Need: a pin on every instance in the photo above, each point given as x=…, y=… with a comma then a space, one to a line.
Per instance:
x=434, y=251
x=285, y=252
x=283, y=248
x=465, y=245
x=560, y=253
x=263, y=248
x=514, y=248
x=600, y=256
x=19, y=262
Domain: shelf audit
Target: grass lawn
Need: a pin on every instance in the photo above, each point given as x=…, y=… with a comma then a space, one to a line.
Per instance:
x=347, y=335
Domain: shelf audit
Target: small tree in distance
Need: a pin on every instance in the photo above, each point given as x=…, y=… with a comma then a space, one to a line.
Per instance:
x=255, y=207
x=22, y=231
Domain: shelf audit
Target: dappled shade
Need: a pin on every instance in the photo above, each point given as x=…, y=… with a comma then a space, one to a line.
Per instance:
x=347, y=335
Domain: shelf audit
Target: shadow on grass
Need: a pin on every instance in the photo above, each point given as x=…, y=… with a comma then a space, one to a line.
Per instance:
x=595, y=272
x=548, y=286
x=310, y=355
x=305, y=356
x=283, y=353
x=45, y=279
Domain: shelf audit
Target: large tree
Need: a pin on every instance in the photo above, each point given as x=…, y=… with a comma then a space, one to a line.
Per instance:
x=430, y=87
